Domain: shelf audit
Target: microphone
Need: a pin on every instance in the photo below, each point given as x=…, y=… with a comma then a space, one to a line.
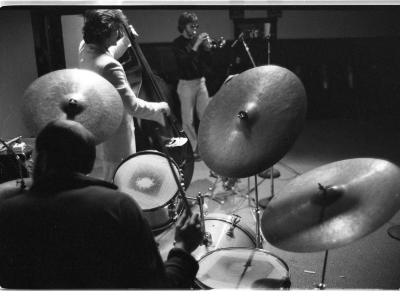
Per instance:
x=267, y=30
x=238, y=39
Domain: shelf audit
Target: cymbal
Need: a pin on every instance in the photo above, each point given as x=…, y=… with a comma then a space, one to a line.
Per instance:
x=333, y=205
x=252, y=121
x=75, y=94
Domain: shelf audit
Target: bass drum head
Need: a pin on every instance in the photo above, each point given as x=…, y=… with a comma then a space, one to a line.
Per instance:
x=242, y=268
x=147, y=177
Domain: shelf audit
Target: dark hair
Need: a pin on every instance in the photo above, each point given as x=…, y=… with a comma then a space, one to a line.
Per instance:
x=64, y=145
x=100, y=23
x=186, y=18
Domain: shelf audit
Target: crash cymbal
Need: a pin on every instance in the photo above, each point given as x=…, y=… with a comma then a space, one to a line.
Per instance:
x=333, y=205
x=252, y=121
x=75, y=94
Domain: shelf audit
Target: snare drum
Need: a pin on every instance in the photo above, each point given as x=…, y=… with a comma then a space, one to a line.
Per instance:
x=223, y=235
x=242, y=268
x=225, y=231
x=147, y=177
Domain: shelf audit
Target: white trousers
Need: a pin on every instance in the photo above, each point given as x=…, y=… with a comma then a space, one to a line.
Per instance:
x=193, y=96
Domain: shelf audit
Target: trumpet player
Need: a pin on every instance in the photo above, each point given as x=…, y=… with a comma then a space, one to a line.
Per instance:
x=192, y=52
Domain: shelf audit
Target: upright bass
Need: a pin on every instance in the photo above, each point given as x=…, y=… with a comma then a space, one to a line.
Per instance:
x=170, y=137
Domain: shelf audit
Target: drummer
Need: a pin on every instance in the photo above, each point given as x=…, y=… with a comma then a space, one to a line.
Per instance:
x=70, y=231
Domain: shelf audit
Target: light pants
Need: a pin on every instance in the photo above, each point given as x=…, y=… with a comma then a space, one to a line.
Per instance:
x=193, y=96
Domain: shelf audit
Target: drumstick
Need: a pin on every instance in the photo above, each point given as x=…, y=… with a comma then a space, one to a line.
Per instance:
x=248, y=264
x=178, y=183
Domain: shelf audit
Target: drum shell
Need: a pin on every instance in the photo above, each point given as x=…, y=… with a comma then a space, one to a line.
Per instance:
x=162, y=217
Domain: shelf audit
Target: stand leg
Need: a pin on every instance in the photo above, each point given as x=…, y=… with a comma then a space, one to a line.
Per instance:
x=265, y=201
x=321, y=285
x=257, y=214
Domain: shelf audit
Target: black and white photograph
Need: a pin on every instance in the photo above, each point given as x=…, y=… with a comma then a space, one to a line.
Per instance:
x=199, y=146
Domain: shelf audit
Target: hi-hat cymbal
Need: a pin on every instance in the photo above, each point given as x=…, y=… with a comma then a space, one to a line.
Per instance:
x=252, y=121
x=74, y=94
x=333, y=205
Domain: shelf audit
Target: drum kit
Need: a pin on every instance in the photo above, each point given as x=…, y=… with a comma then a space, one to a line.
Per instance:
x=249, y=125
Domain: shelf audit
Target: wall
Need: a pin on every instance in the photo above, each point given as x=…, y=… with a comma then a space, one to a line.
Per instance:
x=72, y=27
x=17, y=71
x=335, y=23
x=159, y=25
x=18, y=68
x=152, y=25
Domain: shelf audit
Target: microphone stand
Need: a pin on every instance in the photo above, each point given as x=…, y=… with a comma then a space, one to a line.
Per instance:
x=268, y=37
x=248, y=53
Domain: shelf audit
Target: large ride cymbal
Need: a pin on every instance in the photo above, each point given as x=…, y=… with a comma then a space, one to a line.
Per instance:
x=252, y=121
x=333, y=205
x=75, y=94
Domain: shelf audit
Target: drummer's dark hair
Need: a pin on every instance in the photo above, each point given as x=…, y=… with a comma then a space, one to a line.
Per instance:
x=64, y=146
x=99, y=24
x=186, y=18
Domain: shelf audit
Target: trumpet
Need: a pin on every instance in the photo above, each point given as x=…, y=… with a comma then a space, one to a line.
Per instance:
x=215, y=43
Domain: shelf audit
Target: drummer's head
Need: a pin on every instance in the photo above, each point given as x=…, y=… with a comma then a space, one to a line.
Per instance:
x=64, y=146
x=188, y=21
x=103, y=26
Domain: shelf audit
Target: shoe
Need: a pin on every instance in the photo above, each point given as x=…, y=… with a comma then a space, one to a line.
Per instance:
x=196, y=156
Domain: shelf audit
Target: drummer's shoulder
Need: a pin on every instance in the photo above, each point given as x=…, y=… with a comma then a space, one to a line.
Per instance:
x=108, y=196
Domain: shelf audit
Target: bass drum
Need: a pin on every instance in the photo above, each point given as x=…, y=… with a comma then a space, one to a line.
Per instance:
x=147, y=177
x=242, y=268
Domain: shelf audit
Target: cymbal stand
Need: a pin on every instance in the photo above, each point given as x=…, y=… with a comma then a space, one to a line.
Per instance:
x=321, y=285
x=257, y=214
x=207, y=239
x=324, y=202
x=227, y=184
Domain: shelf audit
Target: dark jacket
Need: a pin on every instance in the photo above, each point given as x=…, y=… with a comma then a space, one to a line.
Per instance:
x=77, y=232
x=191, y=64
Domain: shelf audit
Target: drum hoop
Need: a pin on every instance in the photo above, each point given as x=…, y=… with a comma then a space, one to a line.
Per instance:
x=204, y=286
x=156, y=152
x=249, y=233
x=163, y=205
x=142, y=153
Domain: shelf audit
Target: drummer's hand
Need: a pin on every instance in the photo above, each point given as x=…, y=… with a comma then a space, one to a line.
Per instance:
x=188, y=235
x=164, y=108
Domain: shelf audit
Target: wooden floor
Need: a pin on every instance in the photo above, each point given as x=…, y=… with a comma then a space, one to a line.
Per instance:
x=368, y=263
